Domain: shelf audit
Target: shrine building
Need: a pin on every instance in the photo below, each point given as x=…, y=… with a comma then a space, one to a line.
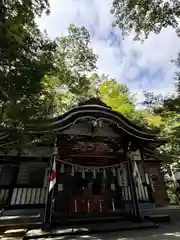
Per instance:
x=100, y=163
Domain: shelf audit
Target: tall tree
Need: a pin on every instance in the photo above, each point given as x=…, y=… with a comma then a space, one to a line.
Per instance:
x=26, y=56
x=167, y=108
x=144, y=17
x=76, y=78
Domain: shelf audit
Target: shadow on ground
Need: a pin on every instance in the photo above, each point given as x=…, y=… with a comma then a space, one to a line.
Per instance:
x=164, y=232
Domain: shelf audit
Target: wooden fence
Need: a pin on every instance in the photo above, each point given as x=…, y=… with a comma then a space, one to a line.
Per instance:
x=23, y=196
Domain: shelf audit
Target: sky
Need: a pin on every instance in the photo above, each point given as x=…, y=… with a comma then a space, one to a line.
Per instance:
x=142, y=66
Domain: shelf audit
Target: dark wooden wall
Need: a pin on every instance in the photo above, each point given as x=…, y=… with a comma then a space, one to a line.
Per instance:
x=160, y=194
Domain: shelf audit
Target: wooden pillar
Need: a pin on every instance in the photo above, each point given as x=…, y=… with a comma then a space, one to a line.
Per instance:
x=13, y=184
x=48, y=207
x=143, y=167
x=135, y=207
x=147, y=182
x=50, y=198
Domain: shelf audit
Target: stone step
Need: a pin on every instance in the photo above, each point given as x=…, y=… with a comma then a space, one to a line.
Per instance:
x=145, y=206
x=172, y=211
x=4, y=228
x=69, y=230
x=19, y=219
x=12, y=238
x=87, y=220
x=89, y=229
x=15, y=233
x=160, y=218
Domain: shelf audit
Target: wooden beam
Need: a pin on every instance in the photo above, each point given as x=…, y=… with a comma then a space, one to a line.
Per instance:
x=92, y=161
x=113, y=155
x=16, y=159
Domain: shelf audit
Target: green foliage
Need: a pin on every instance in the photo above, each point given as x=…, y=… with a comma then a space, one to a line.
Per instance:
x=26, y=56
x=172, y=194
x=142, y=18
x=172, y=131
x=39, y=77
x=118, y=97
x=75, y=60
x=168, y=109
x=152, y=101
x=145, y=16
x=76, y=52
x=75, y=80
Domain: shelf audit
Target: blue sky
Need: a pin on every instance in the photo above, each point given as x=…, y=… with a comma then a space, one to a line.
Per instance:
x=144, y=66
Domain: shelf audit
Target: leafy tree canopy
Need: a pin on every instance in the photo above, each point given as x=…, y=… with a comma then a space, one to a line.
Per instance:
x=168, y=109
x=142, y=18
x=26, y=56
x=75, y=80
x=120, y=99
x=146, y=16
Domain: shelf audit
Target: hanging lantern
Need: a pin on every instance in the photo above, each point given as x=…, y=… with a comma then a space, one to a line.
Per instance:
x=72, y=171
x=83, y=173
x=114, y=172
x=94, y=173
x=62, y=168
x=104, y=173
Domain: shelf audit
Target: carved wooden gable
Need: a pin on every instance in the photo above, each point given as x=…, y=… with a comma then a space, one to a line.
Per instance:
x=89, y=128
x=94, y=147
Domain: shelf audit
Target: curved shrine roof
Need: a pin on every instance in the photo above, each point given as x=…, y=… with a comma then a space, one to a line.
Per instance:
x=95, y=109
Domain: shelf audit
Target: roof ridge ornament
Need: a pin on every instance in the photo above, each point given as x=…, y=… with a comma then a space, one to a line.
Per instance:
x=97, y=123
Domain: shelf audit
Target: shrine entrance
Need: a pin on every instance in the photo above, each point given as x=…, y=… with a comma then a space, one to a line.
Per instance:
x=94, y=173
x=93, y=187
x=94, y=195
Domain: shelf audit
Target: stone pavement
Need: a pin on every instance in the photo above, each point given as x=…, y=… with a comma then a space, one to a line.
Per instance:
x=164, y=232
x=169, y=231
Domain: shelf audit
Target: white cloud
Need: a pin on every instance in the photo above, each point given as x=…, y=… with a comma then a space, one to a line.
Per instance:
x=144, y=66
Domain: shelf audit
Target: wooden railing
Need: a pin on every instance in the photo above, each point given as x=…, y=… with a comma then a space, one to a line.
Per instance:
x=127, y=199
x=4, y=196
x=33, y=196
x=142, y=194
